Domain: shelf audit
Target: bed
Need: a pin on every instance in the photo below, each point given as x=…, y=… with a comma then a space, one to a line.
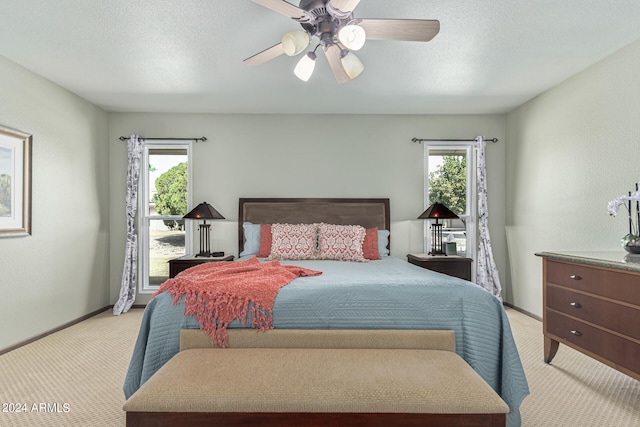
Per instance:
x=388, y=293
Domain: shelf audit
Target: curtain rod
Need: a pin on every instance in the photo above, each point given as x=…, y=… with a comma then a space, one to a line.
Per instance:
x=202, y=138
x=420, y=140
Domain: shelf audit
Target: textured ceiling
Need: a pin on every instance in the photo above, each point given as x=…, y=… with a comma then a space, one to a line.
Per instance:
x=186, y=55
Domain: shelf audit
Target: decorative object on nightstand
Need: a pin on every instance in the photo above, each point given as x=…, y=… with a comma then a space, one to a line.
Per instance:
x=450, y=248
x=437, y=211
x=187, y=261
x=455, y=266
x=205, y=211
x=630, y=242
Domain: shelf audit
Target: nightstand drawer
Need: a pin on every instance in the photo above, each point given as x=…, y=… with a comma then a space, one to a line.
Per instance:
x=611, y=347
x=616, y=285
x=451, y=265
x=616, y=317
x=178, y=265
x=446, y=268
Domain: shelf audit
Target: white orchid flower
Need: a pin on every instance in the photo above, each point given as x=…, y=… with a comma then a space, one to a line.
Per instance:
x=614, y=205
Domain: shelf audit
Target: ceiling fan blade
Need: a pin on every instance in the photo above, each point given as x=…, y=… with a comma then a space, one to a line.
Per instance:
x=345, y=5
x=333, y=58
x=420, y=30
x=266, y=55
x=283, y=7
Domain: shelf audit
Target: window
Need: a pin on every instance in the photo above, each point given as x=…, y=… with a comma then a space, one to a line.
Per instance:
x=165, y=195
x=450, y=180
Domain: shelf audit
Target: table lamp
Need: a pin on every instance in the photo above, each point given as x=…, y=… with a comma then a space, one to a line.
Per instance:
x=437, y=211
x=204, y=211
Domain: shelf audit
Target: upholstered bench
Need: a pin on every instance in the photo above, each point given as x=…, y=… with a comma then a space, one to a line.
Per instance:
x=317, y=378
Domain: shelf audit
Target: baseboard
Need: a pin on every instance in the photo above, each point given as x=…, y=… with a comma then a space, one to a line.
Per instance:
x=58, y=329
x=518, y=309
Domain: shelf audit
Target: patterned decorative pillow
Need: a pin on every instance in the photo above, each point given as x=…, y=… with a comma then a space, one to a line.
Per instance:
x=294, y=241
x=341, y=242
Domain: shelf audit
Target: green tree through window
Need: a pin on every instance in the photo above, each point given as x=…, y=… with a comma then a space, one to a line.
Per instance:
x=171, y=196
x=448, y=184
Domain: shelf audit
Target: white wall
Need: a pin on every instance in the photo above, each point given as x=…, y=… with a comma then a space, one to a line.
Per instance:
x=59, y=273
x=306, y=156
x=567, y=153
x=570, y=151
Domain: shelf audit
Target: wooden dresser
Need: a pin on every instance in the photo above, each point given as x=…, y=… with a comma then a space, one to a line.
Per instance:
x=591, y=302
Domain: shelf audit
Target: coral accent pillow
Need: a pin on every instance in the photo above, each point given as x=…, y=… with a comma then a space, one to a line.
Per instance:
x=341, y=242
x=293, y=241
x=265, y=241
x=370, y=246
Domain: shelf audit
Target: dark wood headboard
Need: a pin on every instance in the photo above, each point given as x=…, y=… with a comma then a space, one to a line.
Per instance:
x=365, y=212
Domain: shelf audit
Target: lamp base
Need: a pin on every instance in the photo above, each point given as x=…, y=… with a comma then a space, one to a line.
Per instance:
x=207, y=254
x=436, y=239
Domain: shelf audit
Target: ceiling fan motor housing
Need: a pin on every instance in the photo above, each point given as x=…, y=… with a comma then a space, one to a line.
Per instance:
x=332, y=22
x=323, y=23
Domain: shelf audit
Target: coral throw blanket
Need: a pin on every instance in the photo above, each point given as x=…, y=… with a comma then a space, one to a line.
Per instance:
x=216, y=293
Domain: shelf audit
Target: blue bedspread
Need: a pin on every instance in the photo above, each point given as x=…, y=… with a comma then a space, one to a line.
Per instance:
x=385, y=294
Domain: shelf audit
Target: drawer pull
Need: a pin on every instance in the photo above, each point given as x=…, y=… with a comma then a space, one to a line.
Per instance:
x=576, y=333
x=575, y=277
x=575, y=304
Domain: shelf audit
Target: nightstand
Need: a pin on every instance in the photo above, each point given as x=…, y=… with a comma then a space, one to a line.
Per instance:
x=180, y=264
x=452, y=265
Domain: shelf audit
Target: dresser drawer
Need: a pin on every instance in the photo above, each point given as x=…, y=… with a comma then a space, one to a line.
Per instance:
x=613, y=348
x=616, y=285
x=616, y=317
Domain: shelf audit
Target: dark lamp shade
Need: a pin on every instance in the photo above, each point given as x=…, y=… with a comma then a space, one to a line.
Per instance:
x=437, y=210
x=204, y=211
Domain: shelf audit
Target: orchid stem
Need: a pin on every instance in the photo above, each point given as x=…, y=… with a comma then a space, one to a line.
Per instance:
x=637, y=210
x=630, y=216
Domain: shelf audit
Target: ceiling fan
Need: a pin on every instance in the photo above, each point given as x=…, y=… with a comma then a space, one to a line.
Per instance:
x=338, y=33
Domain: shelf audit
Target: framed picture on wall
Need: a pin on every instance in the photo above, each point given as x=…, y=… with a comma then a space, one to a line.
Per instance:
x=15, y=182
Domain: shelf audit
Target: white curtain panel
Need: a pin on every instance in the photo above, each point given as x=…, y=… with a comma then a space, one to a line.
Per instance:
x=135, y=146
x=487, y=273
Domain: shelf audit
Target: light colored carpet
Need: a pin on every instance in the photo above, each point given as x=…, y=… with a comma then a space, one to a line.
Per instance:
x=574, y=390
x=84, y=367
x=81, y=368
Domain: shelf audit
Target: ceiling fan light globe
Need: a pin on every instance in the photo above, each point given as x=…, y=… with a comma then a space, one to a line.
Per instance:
x=304, y=68
x=352, y=65
x=295, y=42
x=352, y=36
